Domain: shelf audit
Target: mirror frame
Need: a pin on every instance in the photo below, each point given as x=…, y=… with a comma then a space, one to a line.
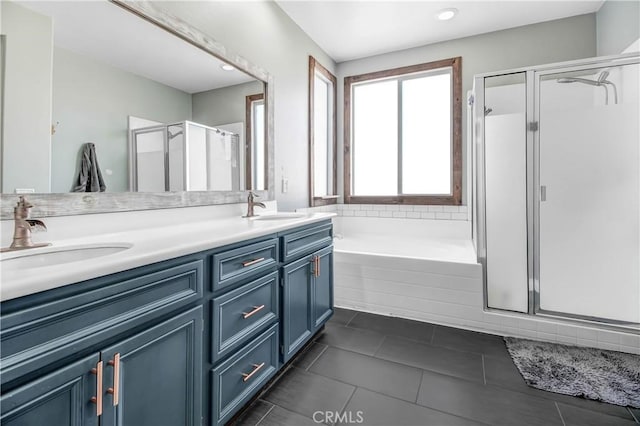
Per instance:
x=66, y=204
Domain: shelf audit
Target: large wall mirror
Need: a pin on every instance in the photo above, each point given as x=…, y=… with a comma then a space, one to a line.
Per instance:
x=166, y=113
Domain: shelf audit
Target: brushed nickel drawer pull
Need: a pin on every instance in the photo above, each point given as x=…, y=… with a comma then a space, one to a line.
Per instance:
x=247, y=376
x=246, y=315
x=252, y=262
x=98, y=398
x=115, y=362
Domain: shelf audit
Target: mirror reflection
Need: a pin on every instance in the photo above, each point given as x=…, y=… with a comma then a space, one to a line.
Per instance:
x=158, y=113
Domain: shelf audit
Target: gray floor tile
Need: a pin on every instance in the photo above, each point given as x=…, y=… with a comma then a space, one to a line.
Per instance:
x=392, y=326
x=313, y=351
x=376, y=409
x=636, y=413
x=484, y=403
x=575, y=416
x=281, y=417
x=306, y=393
x=471, y=341
x=371, y=373
x=254, y=413
x=363, y=341
x=502, y=372
x=342, y=316
x=465, y=365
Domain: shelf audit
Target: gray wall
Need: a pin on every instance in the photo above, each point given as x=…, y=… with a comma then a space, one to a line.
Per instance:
x=225, y=105
x=265, y=35
x=618, y=26
x=27, y=98
x=92, y=100
x=547, y=42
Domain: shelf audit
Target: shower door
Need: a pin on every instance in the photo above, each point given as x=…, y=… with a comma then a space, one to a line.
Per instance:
x=588, y=192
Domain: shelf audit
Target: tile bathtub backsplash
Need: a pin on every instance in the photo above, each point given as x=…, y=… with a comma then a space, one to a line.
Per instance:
x=395, y=211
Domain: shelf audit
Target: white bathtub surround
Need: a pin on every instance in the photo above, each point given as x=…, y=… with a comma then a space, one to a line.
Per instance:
x=396, y=211
x=154, y=236
x=427, y=271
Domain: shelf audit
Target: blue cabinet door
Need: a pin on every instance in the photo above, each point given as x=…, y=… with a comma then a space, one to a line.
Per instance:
x=62, y=398
x=157, y=375
x=297, y=293
x=322, y=308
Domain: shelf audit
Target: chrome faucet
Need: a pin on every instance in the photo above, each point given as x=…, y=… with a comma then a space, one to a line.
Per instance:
x=251, y=204
x=23, y=226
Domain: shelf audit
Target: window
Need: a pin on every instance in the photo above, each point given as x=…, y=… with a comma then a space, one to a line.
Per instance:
x=403, y=135
x=322, y=135
x=255, y=144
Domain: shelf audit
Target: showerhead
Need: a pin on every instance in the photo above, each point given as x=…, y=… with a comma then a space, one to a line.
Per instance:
x=602, y=77
x=579, y=80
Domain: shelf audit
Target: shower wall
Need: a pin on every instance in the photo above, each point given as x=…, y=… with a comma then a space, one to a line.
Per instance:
x=558, y=189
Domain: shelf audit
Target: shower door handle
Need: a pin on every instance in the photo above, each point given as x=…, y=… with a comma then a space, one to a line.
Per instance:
x=543, y=193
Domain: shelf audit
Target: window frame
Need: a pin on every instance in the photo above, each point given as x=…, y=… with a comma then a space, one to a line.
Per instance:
x=315, y=66
x=456, y=140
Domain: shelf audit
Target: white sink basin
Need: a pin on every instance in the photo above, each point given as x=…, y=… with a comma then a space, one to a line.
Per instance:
x=280, y=216
x=49, y=256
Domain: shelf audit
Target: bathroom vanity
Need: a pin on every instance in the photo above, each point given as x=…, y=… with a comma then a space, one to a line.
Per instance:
x=186, y=340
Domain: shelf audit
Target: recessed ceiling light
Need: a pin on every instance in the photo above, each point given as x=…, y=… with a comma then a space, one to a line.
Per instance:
x=446, y=14
x=227, y=67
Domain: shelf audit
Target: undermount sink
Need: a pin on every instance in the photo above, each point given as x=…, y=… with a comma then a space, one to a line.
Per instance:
x=49, y=256
x=280, y=216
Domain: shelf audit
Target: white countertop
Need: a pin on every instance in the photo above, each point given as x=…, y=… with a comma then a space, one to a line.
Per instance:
x=149, y=245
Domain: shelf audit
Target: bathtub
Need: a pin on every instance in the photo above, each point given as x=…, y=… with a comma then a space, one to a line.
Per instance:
x=426, y=270
x=419, y=269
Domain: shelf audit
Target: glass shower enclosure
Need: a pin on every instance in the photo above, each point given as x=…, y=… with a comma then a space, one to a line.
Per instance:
x=557, y=189
x=185, y=156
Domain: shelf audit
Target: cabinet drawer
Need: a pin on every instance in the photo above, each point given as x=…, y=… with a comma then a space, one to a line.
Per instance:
x=45, y=328
x=306, y=241
x=236, y=380
x=242, y=313
x=232, y=266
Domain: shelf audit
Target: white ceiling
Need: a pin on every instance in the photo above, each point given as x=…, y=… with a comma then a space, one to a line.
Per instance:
x=349, y=30
x=110, y=34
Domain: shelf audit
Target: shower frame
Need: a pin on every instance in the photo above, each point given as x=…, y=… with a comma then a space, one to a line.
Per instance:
x=164, y=128
x=532, y=141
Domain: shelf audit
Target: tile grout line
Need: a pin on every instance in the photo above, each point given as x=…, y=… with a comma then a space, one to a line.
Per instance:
x=344, y=408
x=316, y=358
x=384, y=337
x=351, y=319
x=559, y=413
x=419, y=387
x=484, y=371
x=633, y=415
x=266, y=414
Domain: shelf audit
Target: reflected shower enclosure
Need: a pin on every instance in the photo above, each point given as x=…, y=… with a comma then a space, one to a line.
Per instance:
x=557, y=191
x=185, y=156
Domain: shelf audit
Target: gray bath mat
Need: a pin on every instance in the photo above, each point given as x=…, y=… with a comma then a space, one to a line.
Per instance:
x=607, y=376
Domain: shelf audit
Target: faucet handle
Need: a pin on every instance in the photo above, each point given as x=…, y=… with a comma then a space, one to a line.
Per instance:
x=36, y=225
x=23, y=203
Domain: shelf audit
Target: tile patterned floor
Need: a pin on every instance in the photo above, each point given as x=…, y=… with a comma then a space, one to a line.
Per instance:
x=375, y=370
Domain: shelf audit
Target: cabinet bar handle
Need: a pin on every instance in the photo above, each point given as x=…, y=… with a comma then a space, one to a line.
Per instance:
x=98, y=398
x=318, y=267
x=252, y=262
x=246, y=315
x=256, y=367
x=115, y=363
